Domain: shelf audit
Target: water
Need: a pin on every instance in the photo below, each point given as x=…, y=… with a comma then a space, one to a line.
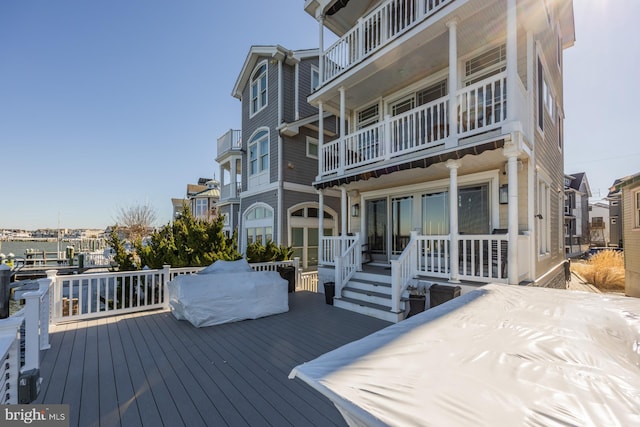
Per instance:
x=18, y=247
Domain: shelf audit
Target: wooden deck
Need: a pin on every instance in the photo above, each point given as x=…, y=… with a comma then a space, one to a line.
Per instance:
x=151, y=369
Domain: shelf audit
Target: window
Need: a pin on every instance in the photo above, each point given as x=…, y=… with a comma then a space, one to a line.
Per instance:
x=368, y=116
x=312, y=147
x=259, y=89
x=258, y=224
x=435, y=213
x=597, y=222
x=315, y=78
x=473, y=210
x=485, y=65
x=201, y=208
x=560, y=133
x=259, y=153
x=545, y=97
x=543, y=217
x=636, y=209
x=540, y=95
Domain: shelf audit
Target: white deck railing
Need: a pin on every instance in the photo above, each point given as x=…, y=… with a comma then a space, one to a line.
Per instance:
x=481, y=107
x=403, y=269
x=94, y=295
x=35, y=318
x=483, y=257
x=347, y=263
x=331, y=247
x=231, y=140
x=373, y=31
x=433, y=255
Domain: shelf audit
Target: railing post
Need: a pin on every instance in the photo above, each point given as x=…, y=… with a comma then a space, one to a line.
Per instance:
x=360, y=50
x=55, y=300
x=296, y=265
x=387, y=137
x=31, y=327
x=395, y=286
x=338, y=276
x=45, y=308
x=413, y=262
x=166, y=278
x=358, y=254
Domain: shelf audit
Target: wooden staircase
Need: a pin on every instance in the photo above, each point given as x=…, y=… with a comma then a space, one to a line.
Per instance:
x=370, y=293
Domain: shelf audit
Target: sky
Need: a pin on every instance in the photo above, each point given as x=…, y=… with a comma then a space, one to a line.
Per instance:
x=108, y=104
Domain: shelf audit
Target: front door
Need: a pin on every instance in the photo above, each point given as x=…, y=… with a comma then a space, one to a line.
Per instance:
x=401, y=223
x=377, y=229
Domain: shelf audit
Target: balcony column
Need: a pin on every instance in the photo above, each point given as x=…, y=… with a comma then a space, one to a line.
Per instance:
x=320, y=138
x=512, y=59
x=321, y=49
x=222, y=181
x=453, y=166
x=234, y=185
x=343, y=212
x=320, y=226
x=511, y=151
x=343, y=131
x=453, y=83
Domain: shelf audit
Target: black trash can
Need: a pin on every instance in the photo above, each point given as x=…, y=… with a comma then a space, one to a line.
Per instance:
x=288, y=273
x=329, y=292
x=439, y=294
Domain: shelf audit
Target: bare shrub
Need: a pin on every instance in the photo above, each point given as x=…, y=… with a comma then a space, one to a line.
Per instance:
x=604, y=270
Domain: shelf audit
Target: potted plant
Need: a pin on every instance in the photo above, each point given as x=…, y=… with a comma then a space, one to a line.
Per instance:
x=417, y=297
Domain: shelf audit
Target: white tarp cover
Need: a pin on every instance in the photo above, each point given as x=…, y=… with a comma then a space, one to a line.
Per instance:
x=227, y=296
x=497, y=356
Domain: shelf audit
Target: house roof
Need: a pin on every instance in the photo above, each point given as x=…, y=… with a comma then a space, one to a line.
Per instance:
x=577, y=180
x=626, y=181
x=276, y=52
x=195, y=189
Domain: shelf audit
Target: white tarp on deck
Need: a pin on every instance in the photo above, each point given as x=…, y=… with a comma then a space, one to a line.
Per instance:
x=227, y=292
x=498, y=356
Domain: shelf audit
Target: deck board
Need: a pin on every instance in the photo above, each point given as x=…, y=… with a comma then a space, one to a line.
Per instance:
x=151, y=369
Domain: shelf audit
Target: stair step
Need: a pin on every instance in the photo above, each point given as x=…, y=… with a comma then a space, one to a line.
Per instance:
x=367, y=292
x=366, y=304
x=369, y=309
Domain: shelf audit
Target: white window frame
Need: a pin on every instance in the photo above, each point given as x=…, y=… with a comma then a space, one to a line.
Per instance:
x=256, y=142
x=200, y=208
x=371, y=120
x=263, y=223
x=312, y=142
x=305, y=222
x=636, y=209
x=315, y=71
x=560, y=124
x=543, y=226
x=261, y=83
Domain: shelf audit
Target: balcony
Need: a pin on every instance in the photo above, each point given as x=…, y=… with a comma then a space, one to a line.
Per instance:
x=481, y=107
x=230, y=141
x=226, y=192
x=373, y=31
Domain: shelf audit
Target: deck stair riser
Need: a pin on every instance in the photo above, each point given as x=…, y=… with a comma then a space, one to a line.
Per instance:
x=368, y=295
x=369, y=309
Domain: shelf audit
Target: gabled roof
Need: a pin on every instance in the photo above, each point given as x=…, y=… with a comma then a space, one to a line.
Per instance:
x=577, y=181
x=195, y=189
x=276, y=52
x=626, y=181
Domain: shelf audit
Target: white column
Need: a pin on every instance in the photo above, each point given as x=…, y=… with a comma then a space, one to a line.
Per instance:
x=343, y=130
x=511, y=152
x=343, y=211
x=320, y=138
x=453, y=166
x=321, y=48
x=453, y=83
x=222, y=180
x=512, y=59
x=234, y=184
x=321, y=226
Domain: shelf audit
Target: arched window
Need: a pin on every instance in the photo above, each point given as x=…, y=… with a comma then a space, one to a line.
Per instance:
x=259, y=89
x=259, y=152
x=258, y=223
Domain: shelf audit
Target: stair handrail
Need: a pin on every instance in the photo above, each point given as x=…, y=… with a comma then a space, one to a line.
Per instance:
x=403, y=270
x=348, y=262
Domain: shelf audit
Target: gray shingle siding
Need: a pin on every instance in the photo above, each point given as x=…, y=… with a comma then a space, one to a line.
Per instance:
x=304, y=83
x=299, y=168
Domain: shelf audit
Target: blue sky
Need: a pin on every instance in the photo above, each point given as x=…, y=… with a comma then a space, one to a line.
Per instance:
x=109, y=104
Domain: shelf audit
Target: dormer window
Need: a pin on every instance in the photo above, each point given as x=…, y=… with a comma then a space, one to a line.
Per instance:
x=259, y=89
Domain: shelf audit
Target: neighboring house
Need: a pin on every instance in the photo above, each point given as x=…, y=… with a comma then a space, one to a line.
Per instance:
x=576, y=213
x=268, y=166
x=615, y=214
x=450, y=153
x=629, y=190
x=178, y=206
x=599, y=224
x=203, y=199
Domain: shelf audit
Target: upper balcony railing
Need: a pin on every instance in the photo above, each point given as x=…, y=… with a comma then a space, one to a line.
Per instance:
x=382, y=25
x=231, y=140
x=481, y=107
x=226, y=191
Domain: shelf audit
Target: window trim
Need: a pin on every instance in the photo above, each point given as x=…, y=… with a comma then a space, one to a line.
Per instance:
x=636, y=209
x=309, y=142
x=543, y=227
x=264, y=222
x=314, y=70
x=256, y=80
x=255, y=141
